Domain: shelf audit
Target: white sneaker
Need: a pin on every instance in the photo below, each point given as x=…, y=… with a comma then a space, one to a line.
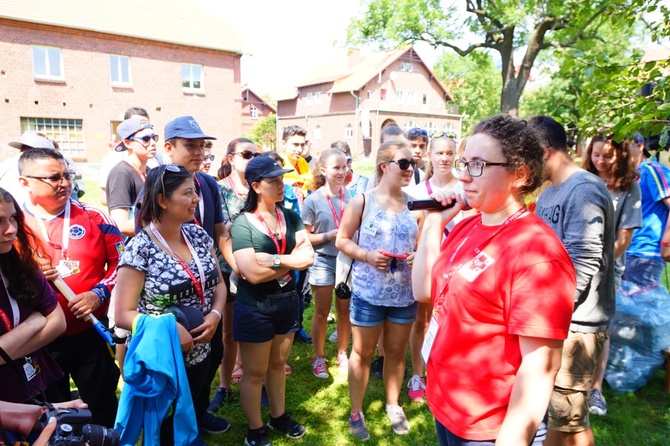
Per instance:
x=398, y=419
x=333, y=337
x=343, y=363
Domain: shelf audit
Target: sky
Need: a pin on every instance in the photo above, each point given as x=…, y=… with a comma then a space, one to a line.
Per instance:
x=288, y=39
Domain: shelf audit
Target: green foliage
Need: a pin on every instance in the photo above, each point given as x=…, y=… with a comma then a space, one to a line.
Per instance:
x=507, y=27
x=471, y=79
x=265, y=132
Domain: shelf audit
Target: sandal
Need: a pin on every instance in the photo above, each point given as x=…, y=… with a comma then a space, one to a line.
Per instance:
x=236, y=376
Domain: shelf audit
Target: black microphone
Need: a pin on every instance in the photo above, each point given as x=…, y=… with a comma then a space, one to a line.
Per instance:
x=429, y=205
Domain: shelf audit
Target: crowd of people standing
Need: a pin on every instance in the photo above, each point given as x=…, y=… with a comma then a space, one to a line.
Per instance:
x=197, y=274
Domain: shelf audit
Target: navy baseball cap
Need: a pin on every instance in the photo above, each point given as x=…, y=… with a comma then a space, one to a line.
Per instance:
x=263, y=167
x=184, y=127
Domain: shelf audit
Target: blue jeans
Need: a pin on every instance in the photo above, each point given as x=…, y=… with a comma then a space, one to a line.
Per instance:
x=643, y=271
x=446, y=438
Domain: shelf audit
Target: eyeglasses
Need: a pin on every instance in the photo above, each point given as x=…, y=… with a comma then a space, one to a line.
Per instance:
x=53, y=180
x=168, y=168
x=451, y=135
x=247, y=154
x=475, y=167
x=404, y=164
x=413, y=133
x=144, y=139
x=209, y=157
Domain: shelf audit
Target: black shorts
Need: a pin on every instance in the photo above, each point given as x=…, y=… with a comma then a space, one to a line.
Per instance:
x=250, y=325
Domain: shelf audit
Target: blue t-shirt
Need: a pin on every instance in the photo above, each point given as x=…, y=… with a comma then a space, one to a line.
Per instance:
x=654, y=189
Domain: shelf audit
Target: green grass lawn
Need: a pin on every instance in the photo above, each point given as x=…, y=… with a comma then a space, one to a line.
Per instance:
x=636, y=418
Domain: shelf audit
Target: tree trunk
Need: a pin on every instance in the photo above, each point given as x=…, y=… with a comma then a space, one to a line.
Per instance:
x=509, y=99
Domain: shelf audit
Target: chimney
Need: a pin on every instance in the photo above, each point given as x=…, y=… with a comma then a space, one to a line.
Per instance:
x=354, y=57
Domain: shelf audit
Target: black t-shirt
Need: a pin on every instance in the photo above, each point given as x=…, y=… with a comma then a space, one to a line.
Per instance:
x=123, y=186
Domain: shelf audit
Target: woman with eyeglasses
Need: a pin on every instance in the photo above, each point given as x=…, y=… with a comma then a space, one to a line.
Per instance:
x=269, y=244
x=30, y=317
x=502, y=288
x=170, y=266
x=383, y=252
x=234, y=191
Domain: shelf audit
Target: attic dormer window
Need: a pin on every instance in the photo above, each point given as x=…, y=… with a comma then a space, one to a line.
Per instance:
x=407, y=66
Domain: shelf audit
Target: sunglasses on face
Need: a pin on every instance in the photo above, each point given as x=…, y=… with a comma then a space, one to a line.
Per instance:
x=413, y=133
x=209, y=157
x=404, y=164
x=144, y=139
x=247, y=154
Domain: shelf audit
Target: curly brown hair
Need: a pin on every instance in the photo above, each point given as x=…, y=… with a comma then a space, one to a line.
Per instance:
x=19, y=265
x=520, y=145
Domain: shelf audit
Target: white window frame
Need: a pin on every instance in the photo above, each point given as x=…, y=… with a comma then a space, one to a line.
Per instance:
x=399, y=97
x=410, y=97
x=49, y=65
x=253, y=112
x=310, y=99
x=68, y=133
x=318, y=132
x=349, y=132
x=317, y=98
x=383, y=94
x=191, y=88
x=115, y=65
x=410, y=124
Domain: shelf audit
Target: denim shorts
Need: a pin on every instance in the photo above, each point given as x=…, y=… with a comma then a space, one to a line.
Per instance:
x=364, y=314
x=322, y=272
x=250, y=325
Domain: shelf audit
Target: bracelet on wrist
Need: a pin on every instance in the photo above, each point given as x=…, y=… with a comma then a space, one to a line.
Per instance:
x=216, y=312
x=98, y=292
x=325, y=237
x=366, y=257
x=665, y=243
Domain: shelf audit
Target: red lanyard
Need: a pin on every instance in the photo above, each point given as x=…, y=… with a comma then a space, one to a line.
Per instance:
x=5, y=320
x=281, y=250
x=198, y=285
x=332, y=208
x=443, y=295
x=232, y=186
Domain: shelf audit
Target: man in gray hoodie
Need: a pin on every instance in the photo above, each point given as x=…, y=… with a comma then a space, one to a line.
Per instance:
x=578, y=207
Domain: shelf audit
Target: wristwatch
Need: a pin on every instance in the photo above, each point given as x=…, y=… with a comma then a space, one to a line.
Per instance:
x=277, y=262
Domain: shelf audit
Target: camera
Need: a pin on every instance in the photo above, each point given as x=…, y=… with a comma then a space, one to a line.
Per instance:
x=73, y=429
x=342, y=291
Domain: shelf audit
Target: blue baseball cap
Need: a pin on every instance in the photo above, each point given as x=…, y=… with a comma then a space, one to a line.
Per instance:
x=184, y=127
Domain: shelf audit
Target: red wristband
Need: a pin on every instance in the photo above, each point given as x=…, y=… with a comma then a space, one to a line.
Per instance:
x=665, y=243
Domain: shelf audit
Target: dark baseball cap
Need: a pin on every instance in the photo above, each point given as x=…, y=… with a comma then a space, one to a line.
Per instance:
x=34, y=140
x=263, y=167
x=184, y=127
x=128, y=128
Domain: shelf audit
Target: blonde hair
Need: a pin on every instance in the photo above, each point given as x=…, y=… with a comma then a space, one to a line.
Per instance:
x=429, y=164
x=385, y=153
x=318, y=178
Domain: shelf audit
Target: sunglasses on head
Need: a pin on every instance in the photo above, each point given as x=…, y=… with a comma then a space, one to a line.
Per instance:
x=413, y=133
x=247, y=154
x=145, y=139
x=451, y=135
x=404, y=164
x=173, y=168
x=209, y=157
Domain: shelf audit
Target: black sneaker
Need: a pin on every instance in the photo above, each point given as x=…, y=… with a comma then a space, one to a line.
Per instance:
x=221, y=397
x=212, y=424
x=258, y=437
x=290, y=427
x=377, y=368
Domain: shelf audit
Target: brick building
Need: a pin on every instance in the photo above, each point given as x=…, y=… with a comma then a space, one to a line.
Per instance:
x=352, y=100
x=254, y=108
x=72, y=68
